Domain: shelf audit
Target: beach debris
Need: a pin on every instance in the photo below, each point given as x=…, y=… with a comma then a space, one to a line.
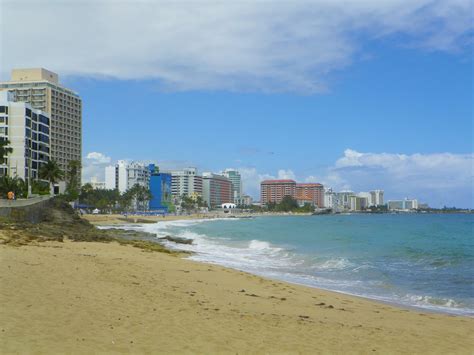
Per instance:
x=242, y=290
x=320, y=304
x=177, y=240
x=251, y=295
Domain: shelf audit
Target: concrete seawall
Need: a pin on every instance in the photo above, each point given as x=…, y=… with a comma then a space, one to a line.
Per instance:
x=28, y=210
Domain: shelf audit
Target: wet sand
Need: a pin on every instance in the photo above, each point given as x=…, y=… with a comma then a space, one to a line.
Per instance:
x=87, y=297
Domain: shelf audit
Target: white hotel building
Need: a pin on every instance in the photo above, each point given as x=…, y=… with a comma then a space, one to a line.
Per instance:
x=123, y=175
x=28, y=131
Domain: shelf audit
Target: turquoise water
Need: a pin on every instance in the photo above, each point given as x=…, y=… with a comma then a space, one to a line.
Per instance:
x=412, y=259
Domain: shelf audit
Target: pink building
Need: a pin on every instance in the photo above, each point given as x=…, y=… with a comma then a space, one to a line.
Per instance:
x=275, y=190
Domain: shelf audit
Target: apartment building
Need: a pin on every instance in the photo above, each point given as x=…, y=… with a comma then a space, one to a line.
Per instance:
x=186, y=182
x=405, y=204
x=376, y=197
x=312, y=193
x=273, y=191
x=28, y=131
x=358, y=203
x=41, y=89
x=124, y=175
x=234, y=176
x=216, y=189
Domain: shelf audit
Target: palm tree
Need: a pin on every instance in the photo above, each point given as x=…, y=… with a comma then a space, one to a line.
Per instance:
x=73, y=179
x=51, y=172
x=4, y=150
x=14, y=184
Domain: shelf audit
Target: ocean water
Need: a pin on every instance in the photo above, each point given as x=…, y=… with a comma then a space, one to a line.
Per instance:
x=420, y=260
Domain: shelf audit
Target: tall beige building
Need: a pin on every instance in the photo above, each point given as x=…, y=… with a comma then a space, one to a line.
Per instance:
x=41, y=89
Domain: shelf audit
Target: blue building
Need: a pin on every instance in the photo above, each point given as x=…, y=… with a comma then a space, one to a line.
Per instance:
x=160, y=188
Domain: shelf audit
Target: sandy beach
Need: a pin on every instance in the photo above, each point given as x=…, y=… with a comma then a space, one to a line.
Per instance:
x=88, y=297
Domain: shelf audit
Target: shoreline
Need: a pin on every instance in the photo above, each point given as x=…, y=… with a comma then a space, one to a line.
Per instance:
x=420, y=308
x=114, y=298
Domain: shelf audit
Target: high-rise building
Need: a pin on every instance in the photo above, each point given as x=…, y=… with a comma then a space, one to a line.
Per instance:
x=312, y=193
x=376, y=197
x=330, y=199
x=123, y=175
x=216, y=189
x=406, y=204
x=273, y=191
x=344, y=199
x=27, y=130
x=186, y=182
x=160, y=188
x=358, y=203
x=245, y=200
x=41, y=89
x=234, y=176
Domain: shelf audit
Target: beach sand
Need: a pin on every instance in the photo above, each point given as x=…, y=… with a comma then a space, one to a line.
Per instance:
x=79, y=297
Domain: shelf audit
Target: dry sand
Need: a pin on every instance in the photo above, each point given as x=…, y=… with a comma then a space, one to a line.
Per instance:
x=78, y=297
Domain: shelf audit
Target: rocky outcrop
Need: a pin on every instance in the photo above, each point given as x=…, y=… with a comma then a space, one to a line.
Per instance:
x=177, y=240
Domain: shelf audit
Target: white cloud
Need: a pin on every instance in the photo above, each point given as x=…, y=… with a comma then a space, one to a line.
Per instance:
x=93, y=166
x=442, y=178
x=286, y=174
x=98, y=158
x=231, y=45
x=439, y=179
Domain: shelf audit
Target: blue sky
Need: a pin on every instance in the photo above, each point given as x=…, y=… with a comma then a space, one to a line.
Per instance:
x=375, y=96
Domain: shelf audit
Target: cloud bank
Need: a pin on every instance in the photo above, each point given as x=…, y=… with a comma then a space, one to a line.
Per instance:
x=221, y=45
x=439, y=179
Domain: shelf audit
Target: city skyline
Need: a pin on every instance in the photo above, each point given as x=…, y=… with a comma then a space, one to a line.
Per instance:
x=350, y=104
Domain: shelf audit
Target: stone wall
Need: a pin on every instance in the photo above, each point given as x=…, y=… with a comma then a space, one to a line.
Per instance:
x=29, y=210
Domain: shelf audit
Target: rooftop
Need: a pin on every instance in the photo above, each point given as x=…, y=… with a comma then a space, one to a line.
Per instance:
x=278, y=182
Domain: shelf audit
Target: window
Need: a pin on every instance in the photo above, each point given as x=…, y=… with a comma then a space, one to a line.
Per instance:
x=4, y=109
x=43, y=138
x=43, y=129
x=44, y=119
x=28, y=112
x=35, y=117
x=4, y=130
x=3, y=119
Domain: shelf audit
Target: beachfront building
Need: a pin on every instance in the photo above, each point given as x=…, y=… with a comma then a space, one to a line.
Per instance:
x=245, y=200
x=358, y=203
x=343, y=199
x=40, y=88
x=160, y=188
x=234, y=176
x=28, y=131
x=273, y=191
x=330, y=199
x=376, y=198
x=312, y=193
x=124, y=175
x=216, y=189
x=402, y=205
x=186, y=182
